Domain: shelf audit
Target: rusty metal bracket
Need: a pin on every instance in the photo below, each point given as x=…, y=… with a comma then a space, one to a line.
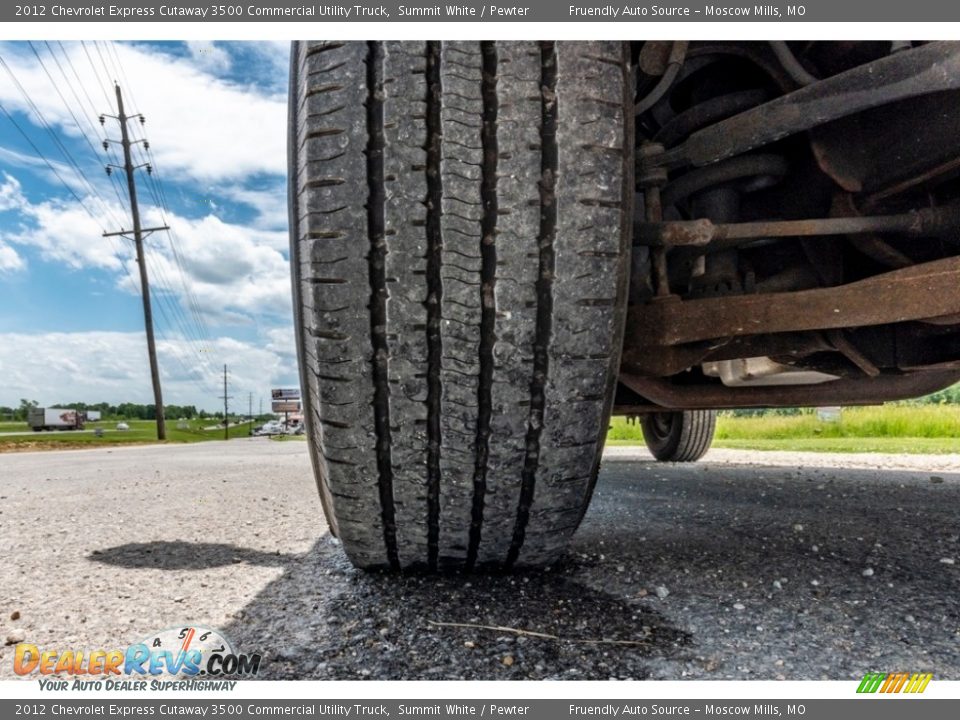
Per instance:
x=927, y=290
x=846, y=391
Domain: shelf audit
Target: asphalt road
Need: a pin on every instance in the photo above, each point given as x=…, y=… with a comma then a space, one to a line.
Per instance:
x=743, y=566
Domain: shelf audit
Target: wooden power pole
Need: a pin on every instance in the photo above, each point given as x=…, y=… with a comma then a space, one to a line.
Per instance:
x=139, y=233
x=226, y=417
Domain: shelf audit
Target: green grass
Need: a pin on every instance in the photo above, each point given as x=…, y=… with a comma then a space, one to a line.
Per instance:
x=910, y=446
x=141, y=431
x=896, y=428
x=286, y=438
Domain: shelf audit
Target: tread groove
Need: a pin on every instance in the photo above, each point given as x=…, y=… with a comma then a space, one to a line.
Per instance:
x=379, y=294
x=488, y=278
x=544, y=290
x=434, y=296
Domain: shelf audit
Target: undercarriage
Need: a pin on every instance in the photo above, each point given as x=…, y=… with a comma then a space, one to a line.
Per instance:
x=796, y=225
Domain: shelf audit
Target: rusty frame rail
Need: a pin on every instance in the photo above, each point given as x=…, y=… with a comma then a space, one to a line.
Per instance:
x=926, y=222
x=927, y=290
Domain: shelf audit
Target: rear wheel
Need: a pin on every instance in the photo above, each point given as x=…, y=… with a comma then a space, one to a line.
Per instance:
x=679, y=436
x=460, y=236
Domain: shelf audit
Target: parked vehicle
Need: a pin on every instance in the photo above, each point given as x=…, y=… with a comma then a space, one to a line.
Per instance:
x=54, y=419
x=272, y=427
x=497, y=245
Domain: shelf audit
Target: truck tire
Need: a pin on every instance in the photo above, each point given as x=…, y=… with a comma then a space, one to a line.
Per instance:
x=679, y=436
x=460, y=219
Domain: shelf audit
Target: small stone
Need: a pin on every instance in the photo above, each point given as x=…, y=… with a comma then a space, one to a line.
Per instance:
x=777, y=585
x=662, y=592
x=507, y=660
x=15, y=615
x=815, y=548
x=178, y=599
x=642, y=592
x=739, y=606
x=14, y=638
x=867, y=572
x=778, y=662
x=948, y=561
x=798, y=528
x=469, y=644
x=936, y=479
x=815, y=583
x=910, y=618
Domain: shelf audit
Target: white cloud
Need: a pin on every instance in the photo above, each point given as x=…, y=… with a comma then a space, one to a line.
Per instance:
x=11, y=197
x=200, y=126
x=10, y=260
x=235, y=273
x=63, y=231
x=209, y=56
x=112, y=367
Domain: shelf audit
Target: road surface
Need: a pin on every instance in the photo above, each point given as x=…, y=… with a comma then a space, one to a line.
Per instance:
x=743, y=566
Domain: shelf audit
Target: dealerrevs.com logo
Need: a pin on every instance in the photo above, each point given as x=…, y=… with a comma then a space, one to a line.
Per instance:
x=183, y=652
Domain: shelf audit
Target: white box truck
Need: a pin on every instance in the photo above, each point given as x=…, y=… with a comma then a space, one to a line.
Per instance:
x=54, y=419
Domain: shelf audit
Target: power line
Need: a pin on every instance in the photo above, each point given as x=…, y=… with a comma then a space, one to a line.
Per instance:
x=89, y=108
x=56, y=139
x=93, y=67
x=50, y=165
x=73, y=115
x=155, y=186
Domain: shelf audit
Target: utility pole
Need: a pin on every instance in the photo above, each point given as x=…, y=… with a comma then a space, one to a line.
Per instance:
x=138, y=234
x=226, y=417
x=250, y=413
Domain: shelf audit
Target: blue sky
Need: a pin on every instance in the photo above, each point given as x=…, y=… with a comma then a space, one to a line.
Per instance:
x=71, y=320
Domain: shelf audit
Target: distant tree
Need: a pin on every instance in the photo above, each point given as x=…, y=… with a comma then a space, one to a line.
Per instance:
x=25, y=405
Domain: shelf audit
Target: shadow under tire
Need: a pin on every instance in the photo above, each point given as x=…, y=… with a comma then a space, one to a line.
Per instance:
x=460, y=218
x=679, y=436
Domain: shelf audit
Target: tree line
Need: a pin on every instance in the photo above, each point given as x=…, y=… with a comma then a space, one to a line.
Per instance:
x=121, y=411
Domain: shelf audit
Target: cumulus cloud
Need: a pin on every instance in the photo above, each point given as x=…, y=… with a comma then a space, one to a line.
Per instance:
x=112, y=367
x=235, y=273
x=232, y=270
x=209, y=56
x=10, y=260
x=200, y=126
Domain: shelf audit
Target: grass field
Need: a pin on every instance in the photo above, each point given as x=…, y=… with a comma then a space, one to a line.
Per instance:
x=902, y=428
x=141, y=431
x=897, y=428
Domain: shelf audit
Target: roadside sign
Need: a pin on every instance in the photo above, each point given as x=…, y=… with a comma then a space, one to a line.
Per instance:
x=285, y=394
x=286, y=406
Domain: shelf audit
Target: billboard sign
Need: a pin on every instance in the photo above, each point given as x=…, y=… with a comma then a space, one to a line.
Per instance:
x=286, y=406
x=285, y=394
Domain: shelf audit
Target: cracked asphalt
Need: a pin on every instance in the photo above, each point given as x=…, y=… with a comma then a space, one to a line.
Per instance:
x=743, y=566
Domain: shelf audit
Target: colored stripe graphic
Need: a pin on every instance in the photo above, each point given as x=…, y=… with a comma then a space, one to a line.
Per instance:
x=894, y=682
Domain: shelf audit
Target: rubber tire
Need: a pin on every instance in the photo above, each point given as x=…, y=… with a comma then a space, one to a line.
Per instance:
x=679, y=436
x=460, y=236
